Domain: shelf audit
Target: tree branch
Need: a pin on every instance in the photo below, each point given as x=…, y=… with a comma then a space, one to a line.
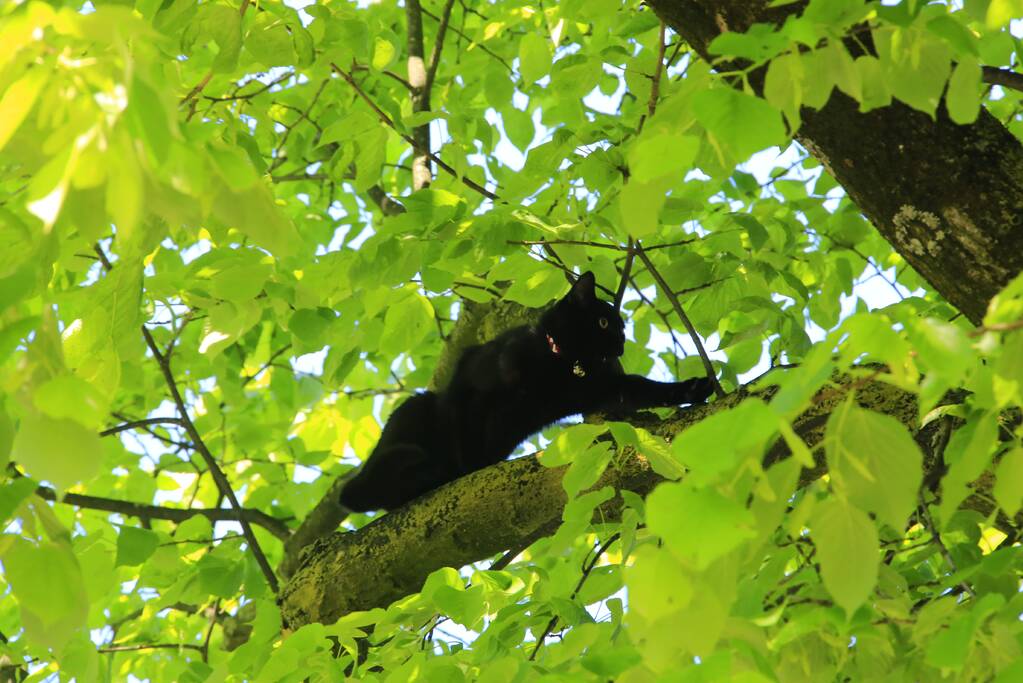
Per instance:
x=497, y=508
x=468, y=182
x=422, y=175
x=141, y=423
x=1006, y=78
x=438, y=45
x=223, y=485
x=275, y=526
x=667, y=291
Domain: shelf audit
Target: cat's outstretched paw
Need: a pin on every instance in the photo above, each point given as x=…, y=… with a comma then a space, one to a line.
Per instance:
x=698, y=389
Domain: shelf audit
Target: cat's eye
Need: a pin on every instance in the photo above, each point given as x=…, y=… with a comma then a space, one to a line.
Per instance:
x=603, y=323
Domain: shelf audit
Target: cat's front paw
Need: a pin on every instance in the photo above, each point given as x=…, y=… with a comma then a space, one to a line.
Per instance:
x=698, y=390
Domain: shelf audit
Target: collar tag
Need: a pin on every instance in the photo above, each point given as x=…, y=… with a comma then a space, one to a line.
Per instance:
x=577, y=369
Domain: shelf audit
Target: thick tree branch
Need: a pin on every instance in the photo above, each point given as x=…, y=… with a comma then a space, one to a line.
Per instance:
x=503, y=506
x=950, y=199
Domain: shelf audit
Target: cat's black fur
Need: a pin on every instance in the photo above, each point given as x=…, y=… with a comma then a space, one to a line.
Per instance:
x=506, y=390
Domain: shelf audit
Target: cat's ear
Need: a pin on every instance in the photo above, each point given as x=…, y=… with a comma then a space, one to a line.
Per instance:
x=585, y=288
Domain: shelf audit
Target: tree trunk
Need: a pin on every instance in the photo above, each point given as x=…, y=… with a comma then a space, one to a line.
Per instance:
x=948, y=198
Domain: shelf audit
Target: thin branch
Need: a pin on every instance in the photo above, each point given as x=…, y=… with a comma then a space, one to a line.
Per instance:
x=587, y=568
x=468, y=182
x=655, y=81
x=925, y=517
x=262, y=369
x=481, y=46
x=259, y=91
x=422, y=174
x=685, y=319
x=149, y=646
x=997, y=327
x=1006, y=78
x=438, y=45
x=281, y=157
x=211, y=463
x=626, y=271
x=141, y=423
x=275, y=526
x=223, y=485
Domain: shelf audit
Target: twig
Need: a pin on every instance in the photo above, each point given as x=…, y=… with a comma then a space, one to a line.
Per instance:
x=280, y=158
x=997, y=327
x=264, y=87
x=140, y=423
x=468, y=182
x=275, y=526
x=211, y=463
x=655, y=81
x=266, y=365
x=1006, y=78
x=481, y=46
x=582, y=579
x=438, y=45
x=925, y=517
x=626, y=272
x=149, y=646
x=685, y=319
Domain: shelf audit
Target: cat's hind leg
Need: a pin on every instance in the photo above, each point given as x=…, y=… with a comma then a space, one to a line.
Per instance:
x=393, y=476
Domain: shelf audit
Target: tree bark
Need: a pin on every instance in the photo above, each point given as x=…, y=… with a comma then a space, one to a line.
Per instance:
x=948, y=198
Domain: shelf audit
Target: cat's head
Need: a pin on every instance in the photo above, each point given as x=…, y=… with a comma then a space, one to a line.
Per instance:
x=584, y=327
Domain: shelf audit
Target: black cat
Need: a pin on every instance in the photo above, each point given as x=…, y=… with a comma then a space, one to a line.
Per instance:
x=504, y=391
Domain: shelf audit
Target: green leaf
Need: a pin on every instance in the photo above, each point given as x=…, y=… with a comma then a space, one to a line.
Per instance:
x=569, y=443
x=135, y=546
x=269, y=40
x=874, y=461
x=46, y=581
x=783, y=86
x=12, y=494
x=847, y=548
x=534, y=58
x=537, y=289
x=658, y=585
x=586, y=468
x=950, y=647
x=18, y=100
x=964, y=90
x=967, y=455
x=67, y=396
x=741, y=123
x=640, y=206
x=1001, y=12
x=384, y=53
x=715, y=447
x=57, y=450
x=407, y=322
x=1008, y=489
x=698, y=524
x=219, y=574
x=661, y=154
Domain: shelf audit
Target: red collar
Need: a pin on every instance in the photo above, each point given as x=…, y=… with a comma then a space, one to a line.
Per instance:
x=555, y=349
x=577, y=368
